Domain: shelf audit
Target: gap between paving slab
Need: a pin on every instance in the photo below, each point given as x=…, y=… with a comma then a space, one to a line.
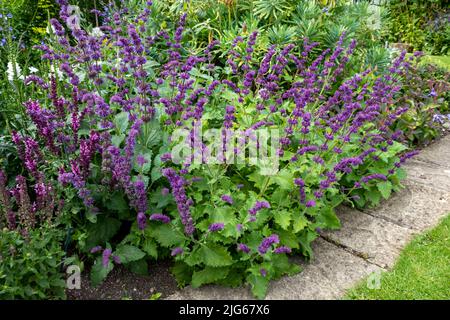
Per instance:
x=368, y=241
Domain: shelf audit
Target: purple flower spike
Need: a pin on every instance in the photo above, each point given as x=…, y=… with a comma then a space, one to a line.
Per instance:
x=160, y=217
x=216, y=227
x=105, y=258
x=141, y=220
x=96, y=249
x=263, y=272
x=282, y=249
x=227, y=199
x=310, y=203
x=243, y=247
x=259, y=205
x=267, y=242
x=176, y=251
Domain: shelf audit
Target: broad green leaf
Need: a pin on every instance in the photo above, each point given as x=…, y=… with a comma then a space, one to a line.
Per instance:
x=285, y=180
x=150, y=248
x=385, y=188
x=327, y=219
x=208, y=275
x=182, y=272
x=373, y=196
x=128, y=253
x=282, y=218
x=139, y=267
x=100, y=232
x=99, y=272
x=215, y=256
x=166, y=235
x=121, y=121
x=259, y=285
x=299, y=224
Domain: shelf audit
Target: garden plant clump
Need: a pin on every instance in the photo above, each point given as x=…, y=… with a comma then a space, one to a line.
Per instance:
x=270, y=145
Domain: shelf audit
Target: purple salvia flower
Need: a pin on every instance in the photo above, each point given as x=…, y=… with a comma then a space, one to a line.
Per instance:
x=216, y=227
x=160, y=217
x=267, y=243
x=282, y=249
x=243, y=247
x=176, y=251
x=227, y=198
x=105, y=257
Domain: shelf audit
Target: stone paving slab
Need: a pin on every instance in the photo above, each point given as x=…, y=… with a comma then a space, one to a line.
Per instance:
x=377, y=240
x=417, y=206
x=431, y=175
x=332, y=271
x=437, y=153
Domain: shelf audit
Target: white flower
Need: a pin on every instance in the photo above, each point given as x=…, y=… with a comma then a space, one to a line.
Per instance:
x=73, y=21
x=33, y=69
x=14, y=70
x=96, y=32
x=56, y=71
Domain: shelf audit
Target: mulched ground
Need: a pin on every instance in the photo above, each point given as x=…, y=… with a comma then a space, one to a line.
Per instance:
x=124, y=284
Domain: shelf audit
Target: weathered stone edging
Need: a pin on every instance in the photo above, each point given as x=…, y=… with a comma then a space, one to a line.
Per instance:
x=368, y=241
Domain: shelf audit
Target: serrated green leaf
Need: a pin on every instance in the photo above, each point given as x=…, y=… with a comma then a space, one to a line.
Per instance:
x=215, y=255
x=128, y=253
x=139, y=267
x=208, y=275
x=182, y=272
x=150, y=248
x=327, y=219
x=299, y=223
x=385, y=188
x=284, y=179
x=259, y=285
x=166, y=235
x=99, y=272
x=102, y=231
x=373, y=196
x=283, y=218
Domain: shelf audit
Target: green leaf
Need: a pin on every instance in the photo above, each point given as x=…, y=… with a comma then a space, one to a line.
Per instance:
x=166, y=235
x=327, y=219
x=259, y=285
x=139, y=267
x=385, y=188
x=121, y=121
x=99, y=272
x=215, y=256
x=128, y=253
x=100, y=232
x=305, y=238
x=150, y=248
x=285, y=180
x=182, y=272
x=282, y=218
x=208, y=275
x=299, y=224
x=117, y=139
x=373, y=196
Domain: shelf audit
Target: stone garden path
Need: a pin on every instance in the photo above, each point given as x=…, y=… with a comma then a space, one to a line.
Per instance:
x=369, y=241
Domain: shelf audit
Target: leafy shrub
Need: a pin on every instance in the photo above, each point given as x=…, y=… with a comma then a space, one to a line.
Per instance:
x=426, y=92
x=30, y=243
x=108, y=123
x=421, y=24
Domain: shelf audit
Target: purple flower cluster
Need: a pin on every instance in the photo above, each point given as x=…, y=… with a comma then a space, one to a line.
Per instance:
x=216, y=227
x=259, y=205
x=267, y=243
x=177, y=184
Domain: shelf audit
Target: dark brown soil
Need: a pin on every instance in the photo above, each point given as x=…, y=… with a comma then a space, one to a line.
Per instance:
x=124, y=284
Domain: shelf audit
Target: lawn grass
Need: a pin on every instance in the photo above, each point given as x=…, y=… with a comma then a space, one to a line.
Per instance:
x=422, y=271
